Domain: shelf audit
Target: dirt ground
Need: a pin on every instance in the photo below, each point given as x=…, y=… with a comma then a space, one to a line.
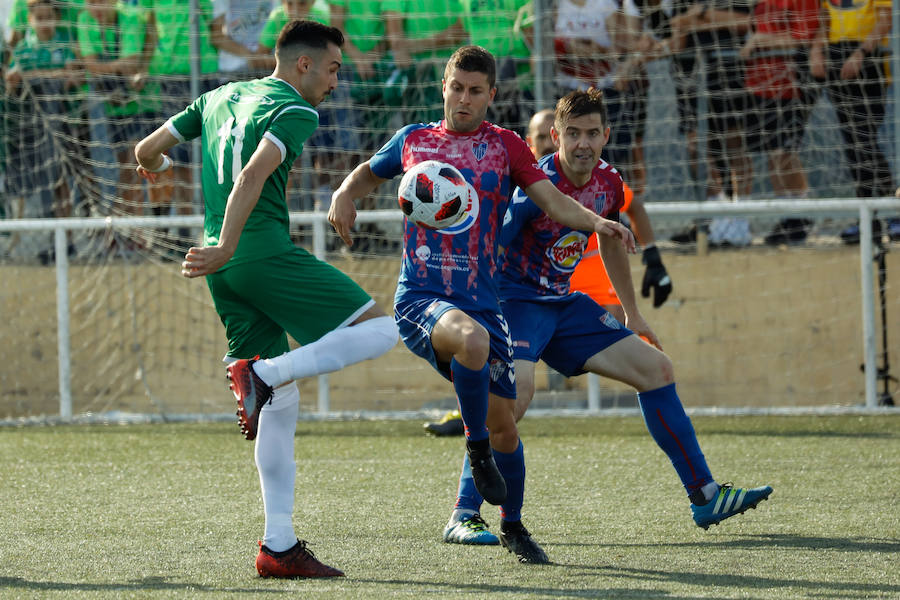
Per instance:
x=751, y=327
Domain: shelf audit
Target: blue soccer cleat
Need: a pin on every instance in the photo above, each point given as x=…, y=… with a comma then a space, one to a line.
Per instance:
x=729, y=501
x=470, y=529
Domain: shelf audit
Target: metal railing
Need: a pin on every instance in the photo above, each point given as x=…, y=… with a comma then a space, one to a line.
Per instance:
x=864, y=208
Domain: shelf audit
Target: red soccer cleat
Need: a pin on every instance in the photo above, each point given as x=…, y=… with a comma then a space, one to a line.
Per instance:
x=249, y=390
x=298, y=561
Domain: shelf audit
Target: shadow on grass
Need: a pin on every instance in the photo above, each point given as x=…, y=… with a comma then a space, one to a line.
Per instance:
x=853, y=435
x=524, y=591
x=431, y=587
x=712, y=581
x=138, y=585
x=770, y=541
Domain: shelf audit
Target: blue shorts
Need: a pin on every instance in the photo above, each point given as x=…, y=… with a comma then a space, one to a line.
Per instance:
x=416, y=318
x=563, y=333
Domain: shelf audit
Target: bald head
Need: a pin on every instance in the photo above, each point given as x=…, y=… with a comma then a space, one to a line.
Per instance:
x=538, y=137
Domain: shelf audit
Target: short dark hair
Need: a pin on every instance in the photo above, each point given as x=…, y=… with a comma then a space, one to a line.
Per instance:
x=579, y=103
x=307, y=34
x=474, y=59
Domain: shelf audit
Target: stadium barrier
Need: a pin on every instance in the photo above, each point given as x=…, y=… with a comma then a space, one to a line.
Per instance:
x=141, y=342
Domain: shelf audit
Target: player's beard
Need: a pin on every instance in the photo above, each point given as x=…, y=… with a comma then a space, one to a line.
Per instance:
x=467, y=123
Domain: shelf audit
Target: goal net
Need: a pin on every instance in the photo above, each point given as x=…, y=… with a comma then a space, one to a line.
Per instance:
x=766, y=309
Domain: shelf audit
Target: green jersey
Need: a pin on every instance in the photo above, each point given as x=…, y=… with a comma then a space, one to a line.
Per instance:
x=18, y=14
x=278, y=18
x=124, y=38
x=31, y=54
x=362, y=22
x=173, y=31
x=232, y=121
x=490, y=24
x=423, y=19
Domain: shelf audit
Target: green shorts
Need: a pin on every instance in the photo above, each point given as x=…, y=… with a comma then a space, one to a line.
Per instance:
x=294, y=293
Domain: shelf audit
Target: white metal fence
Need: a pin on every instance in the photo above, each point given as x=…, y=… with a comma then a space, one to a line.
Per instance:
x=317, y=220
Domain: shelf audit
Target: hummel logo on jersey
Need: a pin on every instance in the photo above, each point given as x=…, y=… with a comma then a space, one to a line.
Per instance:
x=425, y=149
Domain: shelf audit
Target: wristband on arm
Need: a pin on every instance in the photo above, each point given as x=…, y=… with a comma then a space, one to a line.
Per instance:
x=167, y=162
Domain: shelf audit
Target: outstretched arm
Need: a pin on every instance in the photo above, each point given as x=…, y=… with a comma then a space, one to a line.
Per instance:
x=565, y=210
x=358, y=184
x=241, y=202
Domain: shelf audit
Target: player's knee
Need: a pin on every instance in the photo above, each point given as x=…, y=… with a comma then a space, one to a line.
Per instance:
x=476, y=345
x=666, y=370
x=655, y=372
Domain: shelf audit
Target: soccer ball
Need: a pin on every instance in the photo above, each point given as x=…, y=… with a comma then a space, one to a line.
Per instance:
x=434, y=195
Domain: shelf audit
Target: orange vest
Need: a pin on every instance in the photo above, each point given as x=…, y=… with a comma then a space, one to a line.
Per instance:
x=590, y=275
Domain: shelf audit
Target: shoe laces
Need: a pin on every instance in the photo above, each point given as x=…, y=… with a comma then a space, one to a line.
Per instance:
x=475, y=523
x=303, y=548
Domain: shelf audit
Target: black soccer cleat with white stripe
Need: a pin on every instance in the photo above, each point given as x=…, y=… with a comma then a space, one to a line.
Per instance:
x=518, y=541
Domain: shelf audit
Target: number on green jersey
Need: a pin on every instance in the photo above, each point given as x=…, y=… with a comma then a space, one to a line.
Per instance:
x=226, y=132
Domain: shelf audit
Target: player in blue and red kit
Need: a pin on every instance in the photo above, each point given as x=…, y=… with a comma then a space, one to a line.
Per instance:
x=572, y=333
x=447, y=304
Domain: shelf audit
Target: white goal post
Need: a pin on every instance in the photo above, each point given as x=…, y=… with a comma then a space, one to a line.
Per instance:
x=320, y=228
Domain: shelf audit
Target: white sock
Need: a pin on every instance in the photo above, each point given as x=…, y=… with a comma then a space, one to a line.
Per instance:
x=459, y=514
x=331, y=352
x=277, y=469
x=710, y=490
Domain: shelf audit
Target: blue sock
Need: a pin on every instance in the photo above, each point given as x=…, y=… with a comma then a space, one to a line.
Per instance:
x=671, y=428
x=468, y=498
x=512, y=467
x=472, y=392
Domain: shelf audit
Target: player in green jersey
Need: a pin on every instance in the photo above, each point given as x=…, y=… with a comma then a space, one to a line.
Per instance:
x=262, y=285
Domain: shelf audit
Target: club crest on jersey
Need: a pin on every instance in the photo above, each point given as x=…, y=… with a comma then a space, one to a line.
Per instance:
x=469, y=216
x=479, y=150
x=567, y=251
x=238, y=98
x=600, y=203
x=498, y=369
x=610, y=321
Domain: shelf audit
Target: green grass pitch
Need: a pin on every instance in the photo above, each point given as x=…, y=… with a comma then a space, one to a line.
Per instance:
x=174, y=511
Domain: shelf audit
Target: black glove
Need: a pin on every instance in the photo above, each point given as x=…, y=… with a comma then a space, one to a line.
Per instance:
x=656, y=277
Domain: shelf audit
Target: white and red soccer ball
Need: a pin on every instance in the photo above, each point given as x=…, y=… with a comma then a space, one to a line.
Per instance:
x=434, y=195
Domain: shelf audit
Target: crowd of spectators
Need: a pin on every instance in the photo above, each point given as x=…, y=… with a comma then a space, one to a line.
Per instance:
x=84, y=77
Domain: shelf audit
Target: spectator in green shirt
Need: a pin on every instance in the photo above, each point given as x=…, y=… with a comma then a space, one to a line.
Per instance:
x=17, y=21
x=422, y=34
x=42, y=79
x=111, y=38
x=170, y=22
x=284, y=12
x=335, y=139
x=491, y=24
